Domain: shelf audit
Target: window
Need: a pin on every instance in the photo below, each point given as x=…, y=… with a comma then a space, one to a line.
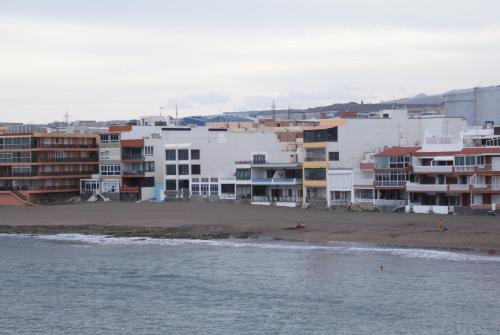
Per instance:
x=148, y=151
x=183, y=169
x=392, y=162
x=60, y=154
x=170, y=155
x=259, y=159
x=148, y=182
x=104, y=138
x=171, y=170
x=195, y=169
x=112, y=186
x=243, y=174
x=110, y=170
x=392, y=178
x=89, y=185
x=227, y=188
x=113, y=138
x=15, y=143
x=214, y=180
x=21, y=171
x=333, y=156
x=104, y=155
x=314, y=155
x=195, y=189
x=321, y=135
x=315, y=174
x=170, y=185
x=183, y=154
x=214, y=189
x=149, y=166
x=195, y=154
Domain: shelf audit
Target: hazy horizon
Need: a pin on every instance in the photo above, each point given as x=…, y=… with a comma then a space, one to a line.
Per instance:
x=123, y=59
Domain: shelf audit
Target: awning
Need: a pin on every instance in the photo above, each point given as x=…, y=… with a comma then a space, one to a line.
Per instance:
x=443, y=158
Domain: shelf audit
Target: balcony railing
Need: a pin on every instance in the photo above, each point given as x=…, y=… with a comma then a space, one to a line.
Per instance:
x=227, y=196
x=414, y=187
x=261, y=198
x=129, y=189
x=132, y=157
x=65, y=160
x=433, y=169
x=133, y=173
x=69, y=146
x=42, y=188
x=488, y=167
x=485, y=187
x=465, y=168
x=276, y=181
x=389, y=183
x=459, y=187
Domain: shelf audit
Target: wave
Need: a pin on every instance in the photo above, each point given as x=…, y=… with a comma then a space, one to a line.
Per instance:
x=345, y=248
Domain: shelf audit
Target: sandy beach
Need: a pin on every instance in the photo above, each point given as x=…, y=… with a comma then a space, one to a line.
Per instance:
x=218, y=220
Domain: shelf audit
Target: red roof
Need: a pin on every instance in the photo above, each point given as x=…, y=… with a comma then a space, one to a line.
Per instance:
x=464, y=151
x=132, y=143
x=398, y=151
x=120, y=129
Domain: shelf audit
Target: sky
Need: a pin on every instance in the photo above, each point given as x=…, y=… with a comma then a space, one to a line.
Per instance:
x=121, y=59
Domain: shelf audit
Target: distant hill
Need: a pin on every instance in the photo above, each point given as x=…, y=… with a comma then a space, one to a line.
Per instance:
x=419, y=99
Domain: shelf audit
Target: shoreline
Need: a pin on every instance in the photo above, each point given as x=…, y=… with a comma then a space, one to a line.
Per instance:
x=203, y=220
x=182, y=234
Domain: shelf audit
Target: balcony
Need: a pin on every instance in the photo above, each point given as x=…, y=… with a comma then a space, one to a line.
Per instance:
x=488, y=168
x=65, y=160
x=133, y=173
x=276, y=181
x=131, y=157
x=485, y=187
x=389, y=183
x=459, y=187
x=433, y=169
x=66, y=146
x=414, y=187
x=465, y=168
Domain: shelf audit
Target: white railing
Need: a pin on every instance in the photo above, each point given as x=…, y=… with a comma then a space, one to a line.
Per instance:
x=459, y=187
x=414, y=187
x=276, y=181
x=227, y=196
x=486, y=186
x=465, y=168
x=433, y=169
x=389, y=183
x=390, y=202
x=227, y=179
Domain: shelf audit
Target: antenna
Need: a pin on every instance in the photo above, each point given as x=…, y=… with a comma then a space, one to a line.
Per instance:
x=66, y=117
x=288, y=113
x=273, y=109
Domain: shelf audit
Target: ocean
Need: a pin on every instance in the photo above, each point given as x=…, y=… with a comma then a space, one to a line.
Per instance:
x=77, y=284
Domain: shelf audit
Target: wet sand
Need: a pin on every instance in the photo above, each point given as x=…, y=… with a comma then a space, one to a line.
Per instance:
x=218, y=220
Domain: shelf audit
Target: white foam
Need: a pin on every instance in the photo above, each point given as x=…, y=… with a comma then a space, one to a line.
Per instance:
x=343, y=249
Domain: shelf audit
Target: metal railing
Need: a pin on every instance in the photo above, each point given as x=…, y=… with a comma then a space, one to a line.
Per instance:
x=65, y=159
x=132, y=157
x=277, y=181
x=133, y=173
x=261, y=198
x=389, y=183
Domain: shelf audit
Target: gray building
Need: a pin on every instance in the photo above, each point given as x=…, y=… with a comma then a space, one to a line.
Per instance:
x=477, y=105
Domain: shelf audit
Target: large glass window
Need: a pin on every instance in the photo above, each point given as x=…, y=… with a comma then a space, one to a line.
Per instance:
x=321, y=135
x=214, y=189
x=183, y=169
x=170, y=185
x=392, y=178
x=243, y=174
x=392, y=162
x=469, y=160
x=183, y=154
x=195, y=154
x=259, y=159
x=148, y=150
x=149, y=166
x=170, y=155
x=112, y=186
x=314, y=155
x=195, y=169
x=315, y=174
x=171, y=169
x=110, y=170
x=15, y=143
x=333, y=156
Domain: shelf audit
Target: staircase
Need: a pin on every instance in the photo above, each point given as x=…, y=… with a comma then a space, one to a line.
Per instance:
x=14, y=198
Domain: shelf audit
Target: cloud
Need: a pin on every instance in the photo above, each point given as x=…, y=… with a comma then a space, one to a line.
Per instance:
x=121, y=69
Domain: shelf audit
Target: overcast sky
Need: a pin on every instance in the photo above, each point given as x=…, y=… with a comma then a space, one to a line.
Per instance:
x=120, y=59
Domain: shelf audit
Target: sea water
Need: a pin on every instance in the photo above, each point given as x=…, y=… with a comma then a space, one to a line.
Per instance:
x=76, y=284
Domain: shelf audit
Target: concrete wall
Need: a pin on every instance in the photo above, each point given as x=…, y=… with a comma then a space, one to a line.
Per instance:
x=477, y=105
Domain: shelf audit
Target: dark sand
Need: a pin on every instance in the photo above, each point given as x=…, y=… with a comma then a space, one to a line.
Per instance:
x=216, y=220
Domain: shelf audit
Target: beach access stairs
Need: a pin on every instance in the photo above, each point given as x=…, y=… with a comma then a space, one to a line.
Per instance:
x=14, y=198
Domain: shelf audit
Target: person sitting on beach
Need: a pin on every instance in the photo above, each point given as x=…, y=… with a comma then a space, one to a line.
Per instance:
x=441, y=225
x=300, y=225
